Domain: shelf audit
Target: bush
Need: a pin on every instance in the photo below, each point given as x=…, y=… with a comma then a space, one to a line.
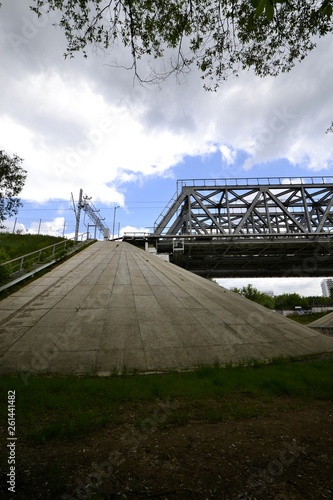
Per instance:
x=5, y=271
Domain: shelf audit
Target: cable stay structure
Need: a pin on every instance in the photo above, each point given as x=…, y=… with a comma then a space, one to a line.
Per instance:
x=92, y=213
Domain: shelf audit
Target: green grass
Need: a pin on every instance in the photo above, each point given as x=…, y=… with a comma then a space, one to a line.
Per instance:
x=308, y=318
x=74, y=427
x=16, y=245
x=69, y=407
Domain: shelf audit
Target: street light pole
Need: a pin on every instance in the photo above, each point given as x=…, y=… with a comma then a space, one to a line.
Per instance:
x=114, y=220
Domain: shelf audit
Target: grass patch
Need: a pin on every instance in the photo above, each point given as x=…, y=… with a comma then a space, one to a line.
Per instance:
x=69, y=408
x=306, y=319
x=16, y=245
x=233, y=410
x=61, y=257
x=177, y=418
x=73, y=428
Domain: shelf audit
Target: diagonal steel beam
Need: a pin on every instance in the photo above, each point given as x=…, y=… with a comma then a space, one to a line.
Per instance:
x=324, y=216
x=199, y=224
x=208, y=213
x=284, y=209
x=306, y=210
x=248, y=213
x=170, y=213
x=182, y=218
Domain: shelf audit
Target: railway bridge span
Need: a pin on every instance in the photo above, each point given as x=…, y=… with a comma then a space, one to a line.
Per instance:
x=263, y=227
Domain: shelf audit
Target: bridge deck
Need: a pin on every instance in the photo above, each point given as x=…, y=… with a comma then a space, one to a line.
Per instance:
x=115, y=307
x=221, y=257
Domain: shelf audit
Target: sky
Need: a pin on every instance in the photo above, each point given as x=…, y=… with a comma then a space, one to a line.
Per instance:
x=83, y=123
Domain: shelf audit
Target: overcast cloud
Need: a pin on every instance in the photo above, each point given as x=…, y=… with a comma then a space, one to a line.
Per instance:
x=65, y=117
x=83, y=123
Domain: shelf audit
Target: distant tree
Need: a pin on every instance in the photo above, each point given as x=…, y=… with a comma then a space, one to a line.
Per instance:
x=291, y=300
x=12, y=179
x=219, y=37
x=320, y=300
x=251, y=293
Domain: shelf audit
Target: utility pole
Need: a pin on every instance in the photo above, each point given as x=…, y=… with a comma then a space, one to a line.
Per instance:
x=114, y=220
x=87, y=206
x=77, y=214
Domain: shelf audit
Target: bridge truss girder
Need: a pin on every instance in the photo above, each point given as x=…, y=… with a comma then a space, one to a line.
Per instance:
x=251, y=210
x=248, y=228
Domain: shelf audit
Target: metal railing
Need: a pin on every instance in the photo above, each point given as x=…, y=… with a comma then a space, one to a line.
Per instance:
x=165, y=210
x=194, y=236
x=135, y=235
x=33, y=260
x=253, y=181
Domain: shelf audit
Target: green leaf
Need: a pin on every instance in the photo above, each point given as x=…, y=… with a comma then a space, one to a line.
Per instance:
x=261, y=7
x=269, y=10
x=329, y=10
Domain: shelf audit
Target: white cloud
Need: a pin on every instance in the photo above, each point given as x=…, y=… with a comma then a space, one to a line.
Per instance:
x=131, y=230
x=56, y=227
x=228, y=154
x=303, y=286
x=83, y=124
x=10, y=226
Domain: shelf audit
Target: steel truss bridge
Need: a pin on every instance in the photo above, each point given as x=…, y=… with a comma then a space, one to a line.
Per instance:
x=248, y=227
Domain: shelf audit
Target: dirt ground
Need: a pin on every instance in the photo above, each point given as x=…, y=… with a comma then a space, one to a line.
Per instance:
x=287, y=455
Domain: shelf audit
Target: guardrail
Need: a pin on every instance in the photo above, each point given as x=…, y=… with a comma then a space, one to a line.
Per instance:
x=135, y=235
x=31, y=262
x=251, y=181
x=167, y=208
x=322, y=236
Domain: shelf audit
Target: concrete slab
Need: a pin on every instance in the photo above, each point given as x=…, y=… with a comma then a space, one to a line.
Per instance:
x=9, y=335
x=25, y=317
x=324, y=325
x=115, y=308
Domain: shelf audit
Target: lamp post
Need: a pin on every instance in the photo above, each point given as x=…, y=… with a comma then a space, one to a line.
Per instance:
x=114, y=219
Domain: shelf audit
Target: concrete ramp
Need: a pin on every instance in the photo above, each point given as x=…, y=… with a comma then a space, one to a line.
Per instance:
x=324, y=324
x=115, y=308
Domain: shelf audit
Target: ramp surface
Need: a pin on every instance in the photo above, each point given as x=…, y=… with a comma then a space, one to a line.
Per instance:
x=114, y=307
x=324, y=324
